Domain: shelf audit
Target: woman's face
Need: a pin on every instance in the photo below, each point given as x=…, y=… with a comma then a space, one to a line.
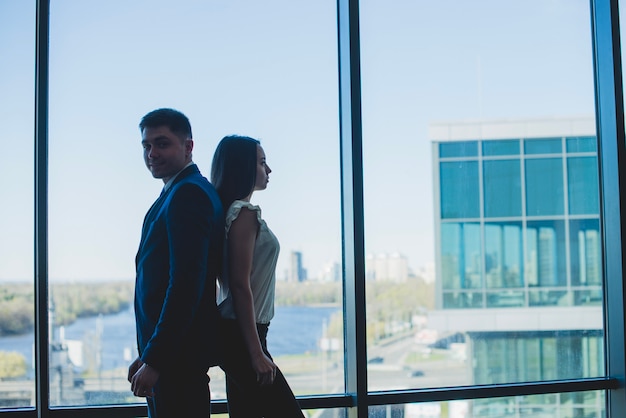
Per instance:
x=262, y=170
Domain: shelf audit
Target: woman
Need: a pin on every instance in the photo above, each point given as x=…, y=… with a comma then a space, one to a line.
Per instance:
x=255, y=386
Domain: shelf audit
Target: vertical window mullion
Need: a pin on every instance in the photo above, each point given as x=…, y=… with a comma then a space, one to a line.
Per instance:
x=42, y=402
x=612, y=152
x=351, y=146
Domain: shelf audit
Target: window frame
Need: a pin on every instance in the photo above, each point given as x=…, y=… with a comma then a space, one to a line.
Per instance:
x=357, y=399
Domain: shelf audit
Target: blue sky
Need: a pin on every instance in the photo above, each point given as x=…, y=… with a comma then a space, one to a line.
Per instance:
x=269, y=70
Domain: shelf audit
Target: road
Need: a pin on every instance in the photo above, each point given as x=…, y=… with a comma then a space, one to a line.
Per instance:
x=440, y=368
x=313, y=374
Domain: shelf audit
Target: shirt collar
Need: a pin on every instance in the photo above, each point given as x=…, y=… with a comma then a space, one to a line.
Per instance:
x=171, y=181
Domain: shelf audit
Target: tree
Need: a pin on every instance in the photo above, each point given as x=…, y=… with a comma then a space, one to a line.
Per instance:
x=12, y=365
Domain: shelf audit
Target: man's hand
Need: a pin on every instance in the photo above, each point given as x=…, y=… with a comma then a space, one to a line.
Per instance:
x=143, y=380
x=132, y=369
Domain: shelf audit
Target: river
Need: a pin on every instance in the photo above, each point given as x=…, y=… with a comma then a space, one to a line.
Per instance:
x=294, y=330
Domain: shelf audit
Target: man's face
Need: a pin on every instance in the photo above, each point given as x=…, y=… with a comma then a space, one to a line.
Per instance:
x=164, y=152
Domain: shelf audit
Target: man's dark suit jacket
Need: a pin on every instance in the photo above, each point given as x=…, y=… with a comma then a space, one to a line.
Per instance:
x=179, y=258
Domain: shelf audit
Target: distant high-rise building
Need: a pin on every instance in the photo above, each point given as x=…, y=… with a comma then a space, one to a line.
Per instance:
x=297, y=273
x=387, y=267
x=331, y=272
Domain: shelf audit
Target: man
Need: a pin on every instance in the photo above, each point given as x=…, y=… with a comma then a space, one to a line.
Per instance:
x=177, y=264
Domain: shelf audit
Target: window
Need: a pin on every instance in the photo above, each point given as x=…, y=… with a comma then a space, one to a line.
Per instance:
x=503, y=255
x=544, y=187
x=543, y=146
x=504, y=147
x=585, y=252
x=109, y=69
x=460, y=179
x=503, y=188
x=17, y=40
x=500, y=170
x=581, y=144
x=489, y=258
x=458, y=149
x=582, y=184
x=571, y=405
x=462, y=254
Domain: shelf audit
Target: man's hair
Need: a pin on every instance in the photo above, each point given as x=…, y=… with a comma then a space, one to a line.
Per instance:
x=233, y=171
x=176, y=121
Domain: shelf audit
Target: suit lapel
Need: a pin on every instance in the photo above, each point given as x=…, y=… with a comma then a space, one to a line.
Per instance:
x=154, y=209
x=156, y=206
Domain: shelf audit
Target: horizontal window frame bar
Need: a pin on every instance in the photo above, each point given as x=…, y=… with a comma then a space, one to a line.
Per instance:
x=347, y=401
x=491, y=391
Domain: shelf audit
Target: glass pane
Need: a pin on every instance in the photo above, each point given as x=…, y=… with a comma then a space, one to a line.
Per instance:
x=309, y=413
x=582, y=144
x=543, y=146
x=462, y=255
x=495, y=147
x=503, y=255
x=467, y=141
x=535, y=357
x=582, y=185
x=544, y=187
x=561, y=405
x=267, y=70
x=585, y=254
x=503, y=188
x=459, y=178
x=458, y=149
x=17, y=49
x=545, y=253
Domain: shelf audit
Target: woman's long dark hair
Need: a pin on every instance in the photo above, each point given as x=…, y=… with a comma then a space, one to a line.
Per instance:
x=233, y=171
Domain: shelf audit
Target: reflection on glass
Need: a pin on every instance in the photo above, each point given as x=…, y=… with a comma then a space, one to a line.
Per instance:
x=17, y=49
x=452, y=300
x=542, y=355
x=462, y=256
x=227, y=82
x=545, y=253
x=585, y=255
x=503, y=255
x=562, y=405
x=310, y=413
x=549, y=297
x=506, y=298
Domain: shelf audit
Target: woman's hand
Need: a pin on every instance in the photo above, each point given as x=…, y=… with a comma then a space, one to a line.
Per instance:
x=265, y=369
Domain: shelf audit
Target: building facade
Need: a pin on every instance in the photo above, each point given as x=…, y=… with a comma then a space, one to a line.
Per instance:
x=518, y=249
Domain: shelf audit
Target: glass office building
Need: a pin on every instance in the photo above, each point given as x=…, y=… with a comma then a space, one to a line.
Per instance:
x=519, y=266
